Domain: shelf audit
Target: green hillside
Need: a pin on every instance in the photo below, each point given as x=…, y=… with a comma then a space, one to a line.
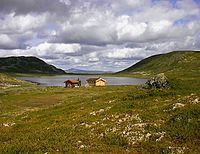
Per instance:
x=177, y=63
x=8, y=81
x=27, y=65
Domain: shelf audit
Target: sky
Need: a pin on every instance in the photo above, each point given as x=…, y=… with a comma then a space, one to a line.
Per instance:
x=107, y=35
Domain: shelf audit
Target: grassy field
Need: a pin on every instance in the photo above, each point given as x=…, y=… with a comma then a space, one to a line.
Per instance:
x=112, y=119
x=182, y=64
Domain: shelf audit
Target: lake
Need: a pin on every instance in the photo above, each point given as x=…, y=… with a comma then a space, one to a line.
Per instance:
x=58, y=80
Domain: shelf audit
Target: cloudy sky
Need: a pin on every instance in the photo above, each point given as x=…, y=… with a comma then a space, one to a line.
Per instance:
x=105, y=35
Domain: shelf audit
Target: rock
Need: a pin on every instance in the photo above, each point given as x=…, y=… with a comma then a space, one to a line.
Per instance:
x=79, y=141
x=178, y=105
x=101, y=110
x=93, y=113
x=8, y=124
x=82, y=146
x=147, y=136
x=195, y=101
x=158, y=81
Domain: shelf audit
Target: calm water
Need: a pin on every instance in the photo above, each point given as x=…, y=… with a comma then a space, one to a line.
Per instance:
x=58, y=80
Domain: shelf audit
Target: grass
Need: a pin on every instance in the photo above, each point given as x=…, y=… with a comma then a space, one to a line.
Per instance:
x=179, y=64
x=112, y=119
x=9, y=81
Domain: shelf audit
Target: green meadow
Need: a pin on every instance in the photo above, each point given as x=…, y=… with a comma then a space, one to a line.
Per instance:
x=111, y=119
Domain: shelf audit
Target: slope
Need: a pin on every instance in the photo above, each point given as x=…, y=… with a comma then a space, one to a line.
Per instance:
x=176, y=63
x=7, y=81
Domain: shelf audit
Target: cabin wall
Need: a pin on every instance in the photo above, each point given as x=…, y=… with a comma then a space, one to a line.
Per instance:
x=70, y=85
x=91, y=83
x=100, y=83
x=67, y=84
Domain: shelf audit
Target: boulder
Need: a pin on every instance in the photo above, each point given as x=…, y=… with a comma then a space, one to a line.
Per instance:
x=158, y=81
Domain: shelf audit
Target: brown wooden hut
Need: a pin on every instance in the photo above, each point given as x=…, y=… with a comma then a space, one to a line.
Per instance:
x=72, y=83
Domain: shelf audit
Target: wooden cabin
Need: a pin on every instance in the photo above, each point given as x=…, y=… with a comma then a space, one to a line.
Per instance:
x=72, y=83
x=96, y=82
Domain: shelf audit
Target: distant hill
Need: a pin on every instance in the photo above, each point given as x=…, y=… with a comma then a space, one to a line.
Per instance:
x=177, y=63
x=74, y=70
x=27, y=65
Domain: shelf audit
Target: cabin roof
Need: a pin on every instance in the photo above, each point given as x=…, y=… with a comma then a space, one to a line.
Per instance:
x=96, y=79
x=72, y=81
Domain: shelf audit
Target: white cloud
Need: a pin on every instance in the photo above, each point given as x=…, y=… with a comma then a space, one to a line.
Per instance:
x=136, y=3
x=66, y=2
x=160, y=26
x=94, y=59
x=54, y=48
x=97, y=27
x=128, y=6
x=89, y=27
x=97, y=34
x=12, y=23
x=19, y=29
x=128, y=29
x=125, y=53
x=7, y=42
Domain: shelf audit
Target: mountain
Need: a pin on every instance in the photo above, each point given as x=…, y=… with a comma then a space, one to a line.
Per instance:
x=177, y=63
x=74, y=70
x=27, y=65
